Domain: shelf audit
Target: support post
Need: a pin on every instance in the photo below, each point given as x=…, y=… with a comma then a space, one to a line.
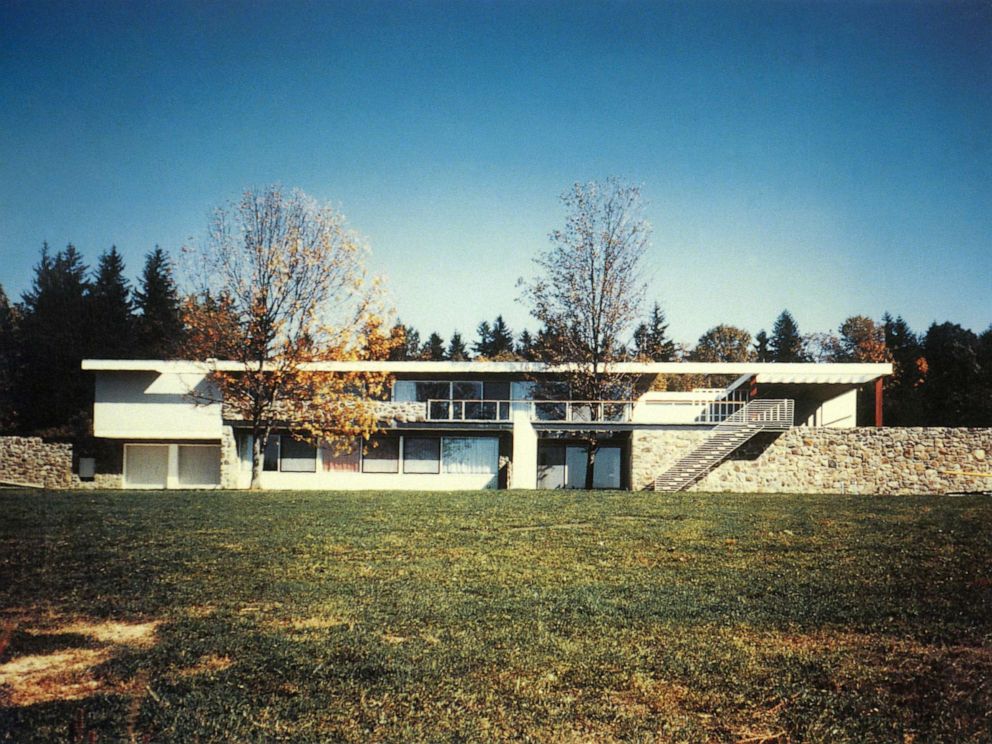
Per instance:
x=878, y=402
x=752, y=392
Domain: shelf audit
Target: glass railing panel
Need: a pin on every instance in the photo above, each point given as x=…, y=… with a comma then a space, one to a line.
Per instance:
x=440, y=410
x=614, y=411
x=549, y=411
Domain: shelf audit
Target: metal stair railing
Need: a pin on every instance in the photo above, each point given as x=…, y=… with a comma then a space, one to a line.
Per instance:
x=724, y=439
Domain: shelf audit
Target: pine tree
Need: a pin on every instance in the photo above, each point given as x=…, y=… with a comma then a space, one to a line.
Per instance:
x=9, y=362
x=525, y=346
x=903, y=402
x=786, y=343
x=456, y=348
x=952, y=389
x=111, y=320
x=53, y=392
x=433, y=349
x=483, y=346
x=159, y=326
x=761, y=352
x=500, y=340
x=651, y=340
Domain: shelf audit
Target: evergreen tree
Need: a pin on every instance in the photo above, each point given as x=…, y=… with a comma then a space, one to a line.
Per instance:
x=786, y=343
x=159, y=326
x=54, y=394
x=9, y=362
x=483, y=346
x=903, y=402
x=456, y=348
x=761, y=351
x=952, y=392
x=433, y=349
x=525, y=346
x=500, y=340
x=650, y=339
x=110, y=309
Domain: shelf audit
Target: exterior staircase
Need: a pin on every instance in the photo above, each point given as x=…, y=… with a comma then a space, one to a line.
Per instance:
x=755, y=417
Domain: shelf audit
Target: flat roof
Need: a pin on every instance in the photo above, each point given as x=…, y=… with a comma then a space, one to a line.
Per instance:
x=766, y=372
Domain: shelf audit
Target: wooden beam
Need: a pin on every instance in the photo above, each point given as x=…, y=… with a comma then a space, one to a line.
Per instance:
x=878, y=402
x=752, y=392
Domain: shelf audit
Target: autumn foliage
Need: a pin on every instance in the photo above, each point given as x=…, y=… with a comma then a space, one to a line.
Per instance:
x=281, y=290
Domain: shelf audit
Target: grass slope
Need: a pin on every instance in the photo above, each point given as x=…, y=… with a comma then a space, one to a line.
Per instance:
x=492, y=616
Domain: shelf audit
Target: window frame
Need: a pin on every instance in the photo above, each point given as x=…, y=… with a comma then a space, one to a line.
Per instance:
x=436, y=441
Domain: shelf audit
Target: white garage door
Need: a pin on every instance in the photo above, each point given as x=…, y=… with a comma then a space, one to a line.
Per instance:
x=199, y=465
x=146, y=465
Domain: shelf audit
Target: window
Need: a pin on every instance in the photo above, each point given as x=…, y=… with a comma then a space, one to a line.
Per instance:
x=467, y=391
x=421, y=455
x=335, y=459
x=297, y=457
x=271, y=459
x=383, y=456
x=471, y=455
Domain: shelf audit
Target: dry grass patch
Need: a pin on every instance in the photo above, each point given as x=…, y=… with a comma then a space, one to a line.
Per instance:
x=208, y=664
x=69, y=673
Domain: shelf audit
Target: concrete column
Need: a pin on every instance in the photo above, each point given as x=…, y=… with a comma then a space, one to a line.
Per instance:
x=524, y=451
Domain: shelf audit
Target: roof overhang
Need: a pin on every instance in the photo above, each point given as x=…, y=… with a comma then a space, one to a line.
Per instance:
x=765, y=372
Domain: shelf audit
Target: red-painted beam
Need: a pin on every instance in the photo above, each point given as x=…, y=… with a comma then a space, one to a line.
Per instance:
x=878, y=402
x=752, y=392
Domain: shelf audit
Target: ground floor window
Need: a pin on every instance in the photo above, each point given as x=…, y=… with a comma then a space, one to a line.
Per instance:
x=471, y=455
x=341, y=457
x=297, y=456
x=382, y=455
x=413, y=454
x=421, y=455
x=564, y=466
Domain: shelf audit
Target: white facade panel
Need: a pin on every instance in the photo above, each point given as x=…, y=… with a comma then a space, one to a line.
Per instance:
x=126, y=406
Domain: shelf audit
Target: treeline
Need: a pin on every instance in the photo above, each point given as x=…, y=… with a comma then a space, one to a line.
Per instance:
x=70, y=313
x=942, y=377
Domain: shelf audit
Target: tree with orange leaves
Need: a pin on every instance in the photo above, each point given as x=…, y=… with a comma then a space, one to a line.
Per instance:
x=280, y=287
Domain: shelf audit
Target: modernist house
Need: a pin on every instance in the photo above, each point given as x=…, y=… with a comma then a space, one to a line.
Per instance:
x=472, y=425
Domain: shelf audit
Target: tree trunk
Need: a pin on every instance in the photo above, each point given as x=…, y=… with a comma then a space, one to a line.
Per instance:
x=591, y=463
x=257, y=459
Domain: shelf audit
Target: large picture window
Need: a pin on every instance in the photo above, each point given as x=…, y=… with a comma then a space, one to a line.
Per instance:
x=341, y=458
x=421, y=455
x=297, y=457
x=382, y=455
x=470, y=455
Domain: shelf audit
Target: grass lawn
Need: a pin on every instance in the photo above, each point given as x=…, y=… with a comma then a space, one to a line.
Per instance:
x=489, y=616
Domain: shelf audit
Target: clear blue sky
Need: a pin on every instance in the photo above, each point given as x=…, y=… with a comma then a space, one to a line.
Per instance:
x=829, y=158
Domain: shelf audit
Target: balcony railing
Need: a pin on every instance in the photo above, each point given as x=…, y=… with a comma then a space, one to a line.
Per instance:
x=566, y=411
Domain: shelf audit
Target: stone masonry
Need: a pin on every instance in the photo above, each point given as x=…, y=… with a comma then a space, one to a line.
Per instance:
x=30, y=461
x=807, y=460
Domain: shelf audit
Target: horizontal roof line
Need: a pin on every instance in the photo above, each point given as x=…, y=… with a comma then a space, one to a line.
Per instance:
x=638, y=368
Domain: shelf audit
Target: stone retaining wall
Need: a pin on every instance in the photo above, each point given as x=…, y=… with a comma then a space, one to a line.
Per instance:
x=31, y=461
x=808, y=460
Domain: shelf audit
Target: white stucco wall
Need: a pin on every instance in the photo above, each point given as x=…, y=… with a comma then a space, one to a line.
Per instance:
x=149, y=405
x=840, y=412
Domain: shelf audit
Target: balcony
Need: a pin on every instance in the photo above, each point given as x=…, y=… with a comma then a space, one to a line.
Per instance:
x=563, y=411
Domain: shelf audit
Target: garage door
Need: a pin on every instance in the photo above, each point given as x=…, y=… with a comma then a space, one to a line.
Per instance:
x=199, y=465
x=146, y=465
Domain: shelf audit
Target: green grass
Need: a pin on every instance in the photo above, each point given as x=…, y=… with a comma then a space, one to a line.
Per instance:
x=494, y=615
